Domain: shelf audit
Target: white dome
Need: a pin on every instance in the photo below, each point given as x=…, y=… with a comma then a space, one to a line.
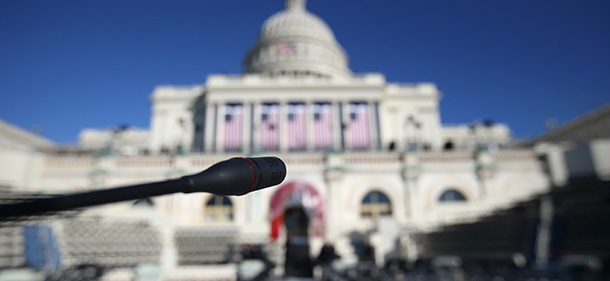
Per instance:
x=296, y=42
x=296, y=21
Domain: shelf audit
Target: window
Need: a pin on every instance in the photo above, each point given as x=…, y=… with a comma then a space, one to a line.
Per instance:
x=218, y=209
x=452, y=195
x=143, y=203
x=374, y=205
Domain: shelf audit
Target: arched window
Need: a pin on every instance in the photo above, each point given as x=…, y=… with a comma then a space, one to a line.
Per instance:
x=218, y=209
x=142, y=203
x=452, y=195
x=374, y=205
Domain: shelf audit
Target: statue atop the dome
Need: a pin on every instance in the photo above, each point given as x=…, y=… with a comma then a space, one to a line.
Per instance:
x=294, y=4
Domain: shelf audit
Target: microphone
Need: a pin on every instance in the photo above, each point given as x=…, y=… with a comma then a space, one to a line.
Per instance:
x=236, y=176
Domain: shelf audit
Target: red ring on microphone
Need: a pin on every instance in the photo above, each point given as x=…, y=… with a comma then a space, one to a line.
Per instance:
x=253, y=174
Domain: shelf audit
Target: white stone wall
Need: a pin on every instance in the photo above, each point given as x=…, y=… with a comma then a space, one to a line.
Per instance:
x=20, y=169
x=253, y=90
x=600, y=151
x=467, y=137
x=412, y=181
x=21, y=157
x=130, y=141
x=409, y=114
x=567, y=159
x=413, y=184
x=406, y=115
x=172, y=117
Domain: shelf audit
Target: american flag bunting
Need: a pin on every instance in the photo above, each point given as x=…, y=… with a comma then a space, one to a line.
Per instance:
x=269, y=131
x=357, y=130
x=234, y=114
x=297, y=126
x=322, y=125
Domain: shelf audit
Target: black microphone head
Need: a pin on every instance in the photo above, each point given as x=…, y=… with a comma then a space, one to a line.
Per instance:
x=269, y=171
x=238, y=176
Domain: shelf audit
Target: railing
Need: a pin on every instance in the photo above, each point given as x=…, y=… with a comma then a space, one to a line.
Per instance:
x=514, y=156
x=144, y=161
x=313, y=159
x=71, y=162
x=303, y=159
x=444, y=157
x=202, y=160
x=371, y=158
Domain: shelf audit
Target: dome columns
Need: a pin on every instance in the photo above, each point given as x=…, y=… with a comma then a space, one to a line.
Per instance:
x=296, y=42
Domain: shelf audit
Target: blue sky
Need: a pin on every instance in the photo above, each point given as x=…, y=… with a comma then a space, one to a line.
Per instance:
x=69, y=65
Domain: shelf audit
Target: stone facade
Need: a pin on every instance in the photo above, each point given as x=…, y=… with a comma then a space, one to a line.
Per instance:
x=403, y=151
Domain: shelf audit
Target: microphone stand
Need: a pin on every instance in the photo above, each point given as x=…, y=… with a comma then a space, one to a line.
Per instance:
x=236, y=176
x=93, y=198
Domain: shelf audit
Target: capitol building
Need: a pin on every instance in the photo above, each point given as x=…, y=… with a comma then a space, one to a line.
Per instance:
x=365, y=157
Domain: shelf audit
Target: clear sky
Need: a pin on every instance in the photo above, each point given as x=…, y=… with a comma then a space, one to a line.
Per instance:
x=69, y=65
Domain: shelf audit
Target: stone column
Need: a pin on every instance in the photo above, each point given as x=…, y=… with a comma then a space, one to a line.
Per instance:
x=345, y=120
x=484, y=171
x=373, y=125
x=410, y=173
x=220, y=127
x=247, y=127
x=310, y=128
x=283, y=126
x=332, y=179
x=256, y=123
x=210, y=126
x=337, y=126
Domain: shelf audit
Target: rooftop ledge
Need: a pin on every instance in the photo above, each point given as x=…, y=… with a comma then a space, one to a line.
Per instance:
x=260, y=80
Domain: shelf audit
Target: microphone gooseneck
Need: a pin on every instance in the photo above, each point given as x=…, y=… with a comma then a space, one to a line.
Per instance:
x=236, y=176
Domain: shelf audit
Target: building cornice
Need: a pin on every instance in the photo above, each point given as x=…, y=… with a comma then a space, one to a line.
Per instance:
x=562, y=132
x=262, y=81
x=22, y=136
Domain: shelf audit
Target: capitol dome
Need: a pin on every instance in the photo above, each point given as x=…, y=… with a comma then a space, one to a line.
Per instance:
x=295, y=42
